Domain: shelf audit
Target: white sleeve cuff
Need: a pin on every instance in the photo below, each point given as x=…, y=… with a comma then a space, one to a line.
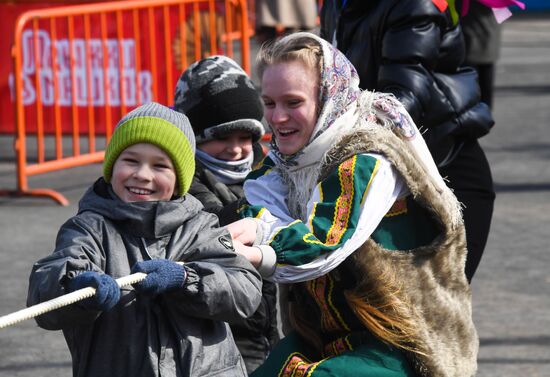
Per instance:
x=269, y=261
x=259, y=232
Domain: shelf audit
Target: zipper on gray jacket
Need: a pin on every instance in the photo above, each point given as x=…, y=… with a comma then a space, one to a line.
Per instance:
x=145, y=247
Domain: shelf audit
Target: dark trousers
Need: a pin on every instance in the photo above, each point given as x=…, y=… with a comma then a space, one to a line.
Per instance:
x=470, y=177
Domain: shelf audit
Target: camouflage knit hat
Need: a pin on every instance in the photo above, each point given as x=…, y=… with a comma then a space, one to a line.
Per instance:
x=158, y=125
x=218, y=97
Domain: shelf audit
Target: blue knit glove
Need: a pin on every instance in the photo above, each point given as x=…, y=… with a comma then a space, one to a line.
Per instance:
x=107, y=291
x=163, y=275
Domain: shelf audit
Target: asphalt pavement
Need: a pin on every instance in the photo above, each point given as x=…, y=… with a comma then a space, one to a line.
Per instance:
x=511, y=290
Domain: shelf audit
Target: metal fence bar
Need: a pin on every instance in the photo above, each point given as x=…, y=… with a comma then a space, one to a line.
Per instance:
x=93, y=62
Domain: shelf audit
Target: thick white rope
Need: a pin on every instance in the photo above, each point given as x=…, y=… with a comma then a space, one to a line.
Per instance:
x=65, y=300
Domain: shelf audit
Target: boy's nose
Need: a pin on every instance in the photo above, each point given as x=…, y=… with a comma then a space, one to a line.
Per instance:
x=234, y=147
x=143, y=172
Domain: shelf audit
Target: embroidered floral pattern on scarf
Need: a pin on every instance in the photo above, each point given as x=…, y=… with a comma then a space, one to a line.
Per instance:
x=338, y=92
x=343, y=108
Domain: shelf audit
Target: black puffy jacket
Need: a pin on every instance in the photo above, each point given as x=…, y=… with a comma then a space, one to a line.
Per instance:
x=412, y=49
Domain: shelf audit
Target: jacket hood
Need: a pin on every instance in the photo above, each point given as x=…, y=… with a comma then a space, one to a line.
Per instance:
x=152, y=219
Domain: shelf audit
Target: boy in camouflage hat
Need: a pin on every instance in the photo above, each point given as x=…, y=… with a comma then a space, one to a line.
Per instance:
x=226, y=112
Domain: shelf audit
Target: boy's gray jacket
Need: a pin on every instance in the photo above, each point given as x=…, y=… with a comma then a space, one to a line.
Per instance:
x=180, y=333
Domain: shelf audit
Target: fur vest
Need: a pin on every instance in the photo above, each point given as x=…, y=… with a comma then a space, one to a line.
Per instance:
x=430, y=279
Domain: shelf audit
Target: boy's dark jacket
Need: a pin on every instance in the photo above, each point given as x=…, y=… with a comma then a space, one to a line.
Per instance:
x=181, y=333
x=256, y=335
x=412, y=49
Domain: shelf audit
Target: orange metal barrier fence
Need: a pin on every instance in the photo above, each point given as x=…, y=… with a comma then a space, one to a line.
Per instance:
x=79, y=69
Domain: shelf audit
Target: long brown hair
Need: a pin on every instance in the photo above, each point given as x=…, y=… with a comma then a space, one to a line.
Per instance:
x=378, y=304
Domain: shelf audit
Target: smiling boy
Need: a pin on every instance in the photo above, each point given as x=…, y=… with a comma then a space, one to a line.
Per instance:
x=139, y=218
x=143, y=172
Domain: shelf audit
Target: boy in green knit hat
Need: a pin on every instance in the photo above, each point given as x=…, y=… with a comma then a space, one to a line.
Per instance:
x=139, y=218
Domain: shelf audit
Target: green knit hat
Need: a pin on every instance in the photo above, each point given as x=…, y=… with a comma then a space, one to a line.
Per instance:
x=158, y=125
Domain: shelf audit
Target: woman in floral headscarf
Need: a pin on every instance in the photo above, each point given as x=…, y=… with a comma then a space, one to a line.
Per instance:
x=350, y=210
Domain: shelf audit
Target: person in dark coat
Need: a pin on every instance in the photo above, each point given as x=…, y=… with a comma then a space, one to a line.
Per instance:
x=225, y=111
x=413, y=50
x=139, y=218
x=482, y=35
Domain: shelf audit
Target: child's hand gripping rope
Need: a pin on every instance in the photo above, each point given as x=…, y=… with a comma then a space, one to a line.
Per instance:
x=106, y=297
x=162, y=276
x=107, y=291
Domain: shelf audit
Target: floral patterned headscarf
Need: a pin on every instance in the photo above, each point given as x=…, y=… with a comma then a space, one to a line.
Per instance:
x=345, y=107
x=339, y=89
x=342, y=106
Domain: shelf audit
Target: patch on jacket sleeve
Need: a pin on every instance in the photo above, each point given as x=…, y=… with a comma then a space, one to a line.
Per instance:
x=226, y=242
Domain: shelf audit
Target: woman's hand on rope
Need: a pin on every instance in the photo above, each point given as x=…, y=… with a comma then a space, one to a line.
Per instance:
x=243, y=230
x=107, y=291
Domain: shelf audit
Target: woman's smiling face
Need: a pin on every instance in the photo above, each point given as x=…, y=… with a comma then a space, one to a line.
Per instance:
x=290, y=92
